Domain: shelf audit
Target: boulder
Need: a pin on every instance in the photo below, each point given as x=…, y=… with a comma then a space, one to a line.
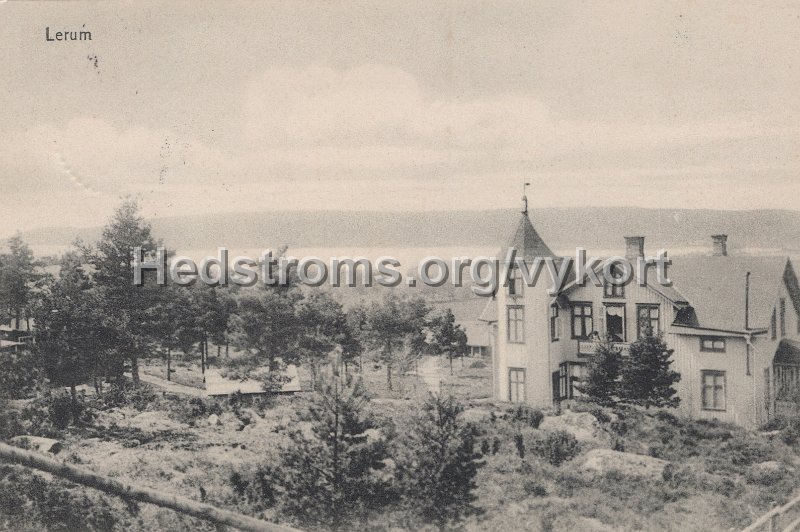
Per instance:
x=476, y=415
x=213, y=420
x=582, y=425
x=37, y=443
x=602, y=461
x=231, y=421
x=768, y=473
x=770, y=466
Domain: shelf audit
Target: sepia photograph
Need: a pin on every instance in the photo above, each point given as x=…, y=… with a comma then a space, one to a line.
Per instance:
x=449, y=265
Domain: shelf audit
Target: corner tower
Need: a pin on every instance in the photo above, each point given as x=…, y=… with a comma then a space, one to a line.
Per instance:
x=521, y=366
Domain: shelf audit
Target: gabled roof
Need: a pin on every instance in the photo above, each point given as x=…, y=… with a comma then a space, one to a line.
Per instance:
x=489, y=313
x=715, y=288
x=467, y=313
x=526, y=241
x=464, y=310
x=667, y=291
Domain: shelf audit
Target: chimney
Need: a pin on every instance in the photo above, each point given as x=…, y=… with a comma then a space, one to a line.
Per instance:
x=720, y=245
x=634, y=247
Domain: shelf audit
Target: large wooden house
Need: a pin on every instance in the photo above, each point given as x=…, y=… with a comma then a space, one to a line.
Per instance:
x=731, y=320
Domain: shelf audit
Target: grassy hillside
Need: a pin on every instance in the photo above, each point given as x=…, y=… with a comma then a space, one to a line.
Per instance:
x=709, y=476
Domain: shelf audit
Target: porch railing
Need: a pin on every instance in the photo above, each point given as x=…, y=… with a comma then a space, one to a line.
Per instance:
x=589, y=347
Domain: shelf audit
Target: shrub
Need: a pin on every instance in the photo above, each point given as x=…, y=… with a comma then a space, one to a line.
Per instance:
x=519, y=442
x=534, y=488
x=557, y=447
x=791, y=433
x=486, y=447
x=59, y=407
x=527, y=415
x=766, y=476
x=20, y=375
x=139, y=396
x=666, y=417
x=29, y=502
x=478, y=364
x=709, y=430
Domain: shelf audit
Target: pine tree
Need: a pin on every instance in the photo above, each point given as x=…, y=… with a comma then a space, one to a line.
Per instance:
x=438, y=462
x=17, y=275
x=601, y=384
x=448, y=338
x=647, y=379
x=336, y=475
x=72, y=330
x=133, y=309
x=393, y=329
x=324, y=330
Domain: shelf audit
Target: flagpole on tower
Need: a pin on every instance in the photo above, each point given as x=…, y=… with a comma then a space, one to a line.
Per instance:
x=525, y=198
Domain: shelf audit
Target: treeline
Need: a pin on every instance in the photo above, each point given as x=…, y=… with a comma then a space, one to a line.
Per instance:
x=92, y=324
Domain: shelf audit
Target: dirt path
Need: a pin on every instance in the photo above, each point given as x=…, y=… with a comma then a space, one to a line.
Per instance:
x=431, y=373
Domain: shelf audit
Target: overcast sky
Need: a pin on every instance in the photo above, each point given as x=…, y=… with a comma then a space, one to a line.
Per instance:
x=225, y=107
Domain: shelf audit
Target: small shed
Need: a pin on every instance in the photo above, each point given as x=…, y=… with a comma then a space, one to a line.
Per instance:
x=216, y=385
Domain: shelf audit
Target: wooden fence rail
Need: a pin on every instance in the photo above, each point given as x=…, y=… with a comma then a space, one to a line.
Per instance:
x=772, y=519
x=127, y=491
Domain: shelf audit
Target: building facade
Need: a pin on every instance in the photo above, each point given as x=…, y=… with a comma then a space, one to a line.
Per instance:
x=732, y=322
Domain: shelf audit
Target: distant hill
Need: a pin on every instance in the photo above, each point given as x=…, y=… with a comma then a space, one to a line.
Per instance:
x=561, y=228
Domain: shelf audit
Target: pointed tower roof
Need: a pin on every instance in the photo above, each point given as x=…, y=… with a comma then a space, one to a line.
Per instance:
x=526, y=241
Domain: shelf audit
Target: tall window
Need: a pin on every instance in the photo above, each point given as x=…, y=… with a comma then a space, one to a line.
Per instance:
x=516, y=385
x=611, y=289
x=615, y=322
x=783, y=317
x=515, y=283
x=516, y=324
x=564, y=380
x=648, y=320
x=582, y=320
x=555, y=329
x=713, y=389
x=774, y=325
